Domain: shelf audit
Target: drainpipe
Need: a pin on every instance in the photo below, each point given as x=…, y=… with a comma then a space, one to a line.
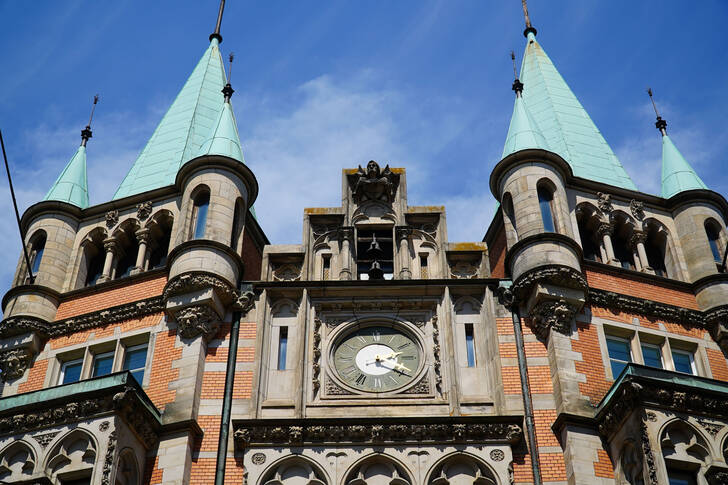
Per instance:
x=526, y=392
x=242, y=306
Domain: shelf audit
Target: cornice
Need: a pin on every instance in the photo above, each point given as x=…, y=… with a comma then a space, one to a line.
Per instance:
x=649, y=308
x=19, y=290
x=524, y=157
x=206, y=244
x=207, y=162
x=367, y=431
x=701, y=283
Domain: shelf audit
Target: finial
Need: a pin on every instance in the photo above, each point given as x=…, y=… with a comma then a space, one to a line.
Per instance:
x=517, y=84
x=529, y=27
x=660, y=124
x=228, y=90
x=216, y=34
x=86, y=132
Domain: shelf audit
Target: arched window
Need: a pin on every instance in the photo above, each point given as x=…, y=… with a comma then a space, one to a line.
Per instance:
x=199, y=214
x=160, y=234
x=587, y=222
x=546, y=203
x=712, y=230
x=621, y=250
x=510, y=214
x=128, y=248
x=237, y=224
x=37, y=247
x=659, y=256
x=92, y=259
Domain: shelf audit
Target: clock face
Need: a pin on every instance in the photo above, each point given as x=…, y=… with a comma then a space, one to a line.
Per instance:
x=377, y=359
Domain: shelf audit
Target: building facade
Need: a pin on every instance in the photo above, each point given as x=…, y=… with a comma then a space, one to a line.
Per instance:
x=582, y=341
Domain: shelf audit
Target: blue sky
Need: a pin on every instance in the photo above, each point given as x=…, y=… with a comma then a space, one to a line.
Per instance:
x=325, y=85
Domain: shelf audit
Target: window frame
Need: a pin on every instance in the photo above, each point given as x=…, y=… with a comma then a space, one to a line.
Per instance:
x=657, y=347
x=99, y=355
x=543, y=188
x=64, y=365
x=626, y=340
x=197, y=230
x=282, y=348
x=471, y=359
x=691, y=356
x=132, y=348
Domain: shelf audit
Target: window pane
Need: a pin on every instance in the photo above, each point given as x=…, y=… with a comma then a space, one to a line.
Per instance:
x=681, y=478
x=619, y=349
x=470, y=344
x=72, y=371
x=37, y=257
x=683, y=361
x=201, y=204
x=544, y=201
x=652, y=356
x=282, y=347
x=617, y=367
x=135, y=360
x=103, y=364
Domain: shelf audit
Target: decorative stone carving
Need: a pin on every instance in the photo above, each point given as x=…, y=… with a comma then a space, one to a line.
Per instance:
x=437, y=364
x=112, y=218
x=497, y=455
x=104, y=426
x=637, y=209
x=109, y=459
x=197, y=320
x=403, y=232
x=552, y=315
x=14, y=363
x=374, y=184
x=637, y=237
x=463, y=270
x=244, y=303
x=422, y=387
x=712, y=428
x=558, y=275
x=257, y=458
x=104, y=317
x=44, y=439
x=333, y=389
x=316, y=366
x=380, y=431
x=144, y=210
x=649, y=456
x=193, y=281
x=716, y=475
x=21, y=324
x=604, y=201
x=649, y=308
x=605, y=228
x=287, y=272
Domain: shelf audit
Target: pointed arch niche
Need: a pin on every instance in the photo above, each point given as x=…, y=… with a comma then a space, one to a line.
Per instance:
x=378, y=470
x=295, y=470
x=17, y=462
x=461, y=469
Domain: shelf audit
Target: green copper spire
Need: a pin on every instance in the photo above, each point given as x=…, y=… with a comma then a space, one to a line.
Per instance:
x=677, y=174
x=72, y=185
x=179, y=136
x=523, y=132
x=564, y=122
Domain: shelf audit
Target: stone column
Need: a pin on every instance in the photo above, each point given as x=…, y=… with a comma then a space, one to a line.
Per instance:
x=142, y=236
x=605, y=230
x=402, y=235
x=346, y=235
x=637, y=241
x=111, y=247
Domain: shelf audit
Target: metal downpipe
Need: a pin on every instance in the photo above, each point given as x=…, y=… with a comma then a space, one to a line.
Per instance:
x=222, y=444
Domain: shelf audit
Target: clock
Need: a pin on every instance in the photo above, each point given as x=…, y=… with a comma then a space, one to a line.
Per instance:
x=377, y=359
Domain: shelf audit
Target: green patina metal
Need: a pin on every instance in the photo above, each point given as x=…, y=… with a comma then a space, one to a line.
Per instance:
x=99, y=385
x=183, y=129
x=564, y=122
x=224, y=139
x=677, y=174
x=523, y=133
x=72, y=184
x=667, y=378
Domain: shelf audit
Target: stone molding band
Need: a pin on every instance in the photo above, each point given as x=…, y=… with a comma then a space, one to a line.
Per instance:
x=553, y=237
x=503, y=429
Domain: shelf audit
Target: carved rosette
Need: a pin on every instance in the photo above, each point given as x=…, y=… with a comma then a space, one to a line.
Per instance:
x=552, y=315
x=14, y=363
x=196, y=320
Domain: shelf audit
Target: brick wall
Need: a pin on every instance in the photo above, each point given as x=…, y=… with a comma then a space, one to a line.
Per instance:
x=497, y=255
x=252, y=257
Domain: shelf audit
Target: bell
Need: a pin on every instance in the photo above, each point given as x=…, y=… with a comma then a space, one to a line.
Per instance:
x=374, y=248
x=375, y=272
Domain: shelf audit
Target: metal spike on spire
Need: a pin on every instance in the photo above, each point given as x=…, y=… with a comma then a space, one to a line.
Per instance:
x=228, y=90
x=216, y=34
x=660, y=124
x=517, y=84
x=86, y=133
x=529, y=27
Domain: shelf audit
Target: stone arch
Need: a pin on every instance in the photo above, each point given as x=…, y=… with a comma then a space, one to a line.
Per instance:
x=294, y=470
x=717, y=240
x=127, y=468
x=509, y=218
x=623, y=227
x=90, y=258
x=373, y=212
x=378, y=469
x=461, y=468
x=75, y=453
x=159, y=235
x=683, y=446
x=17, y=462
x=285, y=307
x=127, y=248
x=660, y=249
x=588, y=222
x=467, y=305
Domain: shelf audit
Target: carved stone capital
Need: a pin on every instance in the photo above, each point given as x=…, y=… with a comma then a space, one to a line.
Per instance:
x=196, y=320
x=637, y=237
x=552, y=315
x=558, y=275
x=605, y=228
x=111, y=245
x=402, y=232
x=144, y=209
x=190, y=282
x=22, y=324
x=14, y=363
x=345, y=233
x=142, y=235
